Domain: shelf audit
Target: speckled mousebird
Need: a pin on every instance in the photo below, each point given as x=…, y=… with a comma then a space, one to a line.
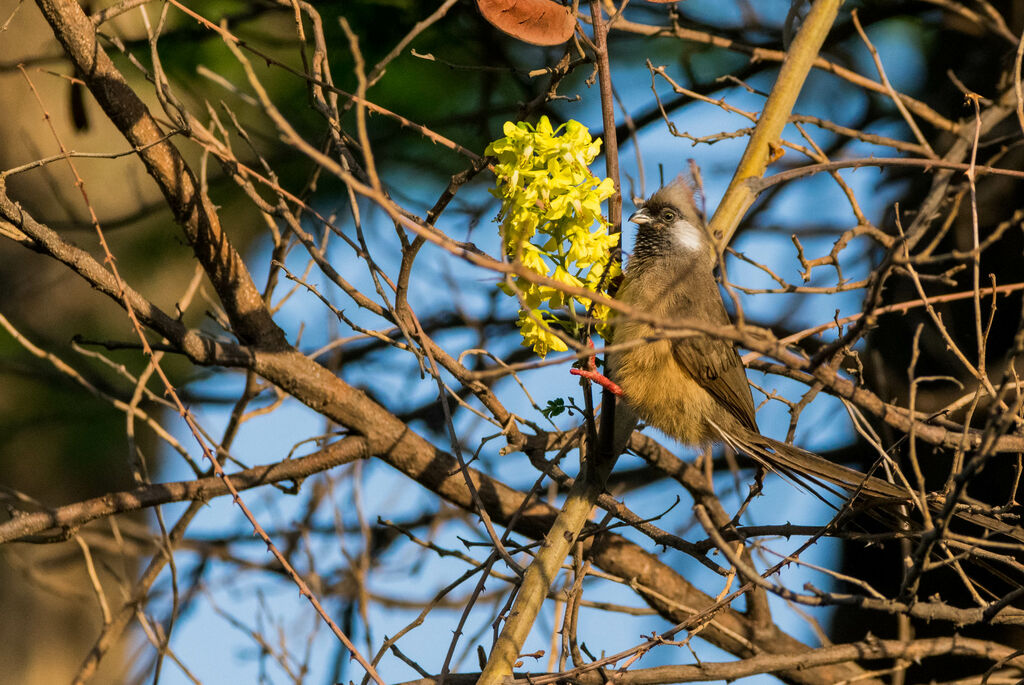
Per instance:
x=695, y=388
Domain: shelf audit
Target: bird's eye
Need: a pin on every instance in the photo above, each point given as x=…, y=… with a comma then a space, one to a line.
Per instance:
x=668, y=215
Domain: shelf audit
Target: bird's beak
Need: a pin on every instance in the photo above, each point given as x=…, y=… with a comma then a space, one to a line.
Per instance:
x=640, y=217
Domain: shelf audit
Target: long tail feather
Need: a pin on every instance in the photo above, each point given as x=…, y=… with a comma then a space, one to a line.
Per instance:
x=757, y=448
x=811, y=472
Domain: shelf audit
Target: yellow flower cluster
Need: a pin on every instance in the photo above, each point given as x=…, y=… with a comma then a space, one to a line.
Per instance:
x=550, y=202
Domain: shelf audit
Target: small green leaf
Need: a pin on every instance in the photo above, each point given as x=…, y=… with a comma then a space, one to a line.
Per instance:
x=555, y=407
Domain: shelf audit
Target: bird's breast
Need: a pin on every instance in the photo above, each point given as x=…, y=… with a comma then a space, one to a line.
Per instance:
x=661, y=393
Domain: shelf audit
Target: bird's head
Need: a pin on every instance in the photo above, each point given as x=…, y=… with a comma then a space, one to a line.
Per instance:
x=670, y=224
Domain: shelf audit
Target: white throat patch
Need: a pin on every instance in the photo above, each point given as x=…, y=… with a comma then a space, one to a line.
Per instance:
x=687, y=236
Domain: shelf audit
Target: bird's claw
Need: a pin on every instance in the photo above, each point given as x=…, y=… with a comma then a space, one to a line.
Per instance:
x=592, y=374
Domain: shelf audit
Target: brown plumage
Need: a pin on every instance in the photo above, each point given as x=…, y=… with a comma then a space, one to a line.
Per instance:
x=695, y=388
x=670, y=276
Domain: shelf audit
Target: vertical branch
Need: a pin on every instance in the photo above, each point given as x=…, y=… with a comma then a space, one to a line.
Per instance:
x=597, y=463
x=541, y=573
x=611, y=143
x=606, y=434
x=1017, y=90
x=801, y=55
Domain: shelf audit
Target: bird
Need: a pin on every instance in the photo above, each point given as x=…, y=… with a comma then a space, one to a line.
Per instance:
x=694, y=388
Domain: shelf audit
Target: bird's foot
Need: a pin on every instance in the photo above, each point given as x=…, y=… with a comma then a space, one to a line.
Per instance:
x=599, y=378
x=592, y=374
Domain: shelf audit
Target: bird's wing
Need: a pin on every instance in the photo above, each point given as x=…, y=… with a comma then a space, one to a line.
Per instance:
x=714, y=364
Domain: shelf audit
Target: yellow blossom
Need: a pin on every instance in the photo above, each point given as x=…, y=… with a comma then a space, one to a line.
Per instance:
x=551, y=223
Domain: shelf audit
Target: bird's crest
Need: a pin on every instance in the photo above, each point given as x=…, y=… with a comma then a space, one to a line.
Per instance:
x=685, y=192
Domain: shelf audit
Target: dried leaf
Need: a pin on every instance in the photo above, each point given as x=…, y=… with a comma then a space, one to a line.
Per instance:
x=540, y=22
